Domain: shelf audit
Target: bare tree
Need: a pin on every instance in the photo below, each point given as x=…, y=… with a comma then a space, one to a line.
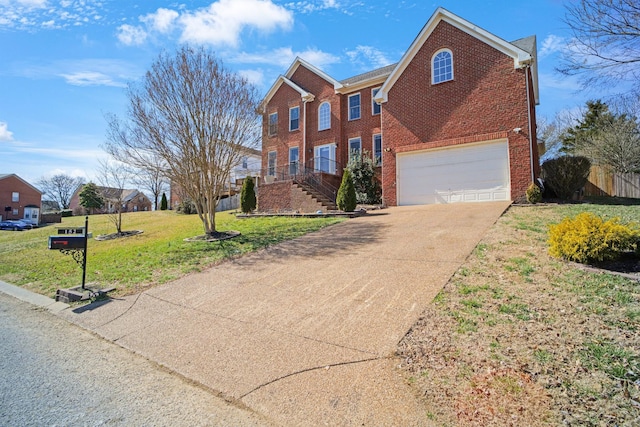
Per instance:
x=152, y=179
x=550, y=132
x=605, y=47
x=60, y=188
x=194, y=115
x=113, y=178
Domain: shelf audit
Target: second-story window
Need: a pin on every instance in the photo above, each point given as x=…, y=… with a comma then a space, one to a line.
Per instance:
x=15, y=197
x=294, y=118
x=273, y=124
x=375, y=107
x=354, y=106
x=324, y=116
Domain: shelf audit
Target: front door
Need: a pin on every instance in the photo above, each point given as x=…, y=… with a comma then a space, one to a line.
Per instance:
x=325, y=158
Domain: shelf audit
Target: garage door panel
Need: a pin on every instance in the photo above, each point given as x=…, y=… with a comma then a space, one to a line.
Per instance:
x=474, y=173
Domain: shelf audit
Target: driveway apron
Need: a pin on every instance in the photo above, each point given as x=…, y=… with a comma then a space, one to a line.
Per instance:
x=304, y=332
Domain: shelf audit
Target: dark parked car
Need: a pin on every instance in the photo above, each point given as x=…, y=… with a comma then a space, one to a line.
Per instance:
x=13, y=225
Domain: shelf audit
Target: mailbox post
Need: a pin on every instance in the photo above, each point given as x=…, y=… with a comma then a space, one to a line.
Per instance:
x=73, y=241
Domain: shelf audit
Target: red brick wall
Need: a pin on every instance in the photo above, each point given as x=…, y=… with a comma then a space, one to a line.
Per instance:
x=284, y=98
x=364, y=127
x=487, y=96
x=27, y=196
x=284, y=197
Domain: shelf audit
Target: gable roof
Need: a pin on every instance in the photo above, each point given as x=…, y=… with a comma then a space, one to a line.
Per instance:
x=9, y=175
x=299, y=61
x=306, y=96
x=521, y=57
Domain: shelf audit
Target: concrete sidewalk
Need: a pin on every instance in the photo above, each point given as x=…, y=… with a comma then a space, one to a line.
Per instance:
x=304, y=332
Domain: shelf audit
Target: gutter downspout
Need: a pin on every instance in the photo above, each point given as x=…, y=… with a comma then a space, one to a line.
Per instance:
x=304, y=132
x=526, y=76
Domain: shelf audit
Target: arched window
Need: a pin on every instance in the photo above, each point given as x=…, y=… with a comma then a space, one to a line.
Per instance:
x=442, y=66
x=324, y=116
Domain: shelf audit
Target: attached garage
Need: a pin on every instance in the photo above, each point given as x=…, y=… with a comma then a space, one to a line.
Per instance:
x=465, y=173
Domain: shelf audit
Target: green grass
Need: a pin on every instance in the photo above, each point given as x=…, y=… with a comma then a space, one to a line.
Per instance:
x=158, y=255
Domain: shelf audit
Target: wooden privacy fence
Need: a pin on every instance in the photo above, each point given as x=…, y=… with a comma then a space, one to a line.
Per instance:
x=605, y=183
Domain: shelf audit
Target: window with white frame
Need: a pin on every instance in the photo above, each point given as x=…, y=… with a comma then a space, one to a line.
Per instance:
x=294, y=118
x=377, y=149
x=442, y=66
x=294, y=158
x=355, y=147
x=354, y=106
x=15, y=197
x=271, y=163
x=375, y=107
x=273, y=124
x=324, y=116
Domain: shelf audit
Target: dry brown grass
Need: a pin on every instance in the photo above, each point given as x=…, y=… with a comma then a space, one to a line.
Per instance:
x=519, y=338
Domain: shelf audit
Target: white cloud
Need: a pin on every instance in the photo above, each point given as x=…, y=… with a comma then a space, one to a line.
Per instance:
x=368, y=56
x=5, y=134
x=130, y=35
x=43, y=14
x=90, y=78
x=94, y=72
x=255, y=77
x=557, y=82
x=223, y=21
x=163, y=20
x=552, y=44
x=314, y=6
x=284, y=56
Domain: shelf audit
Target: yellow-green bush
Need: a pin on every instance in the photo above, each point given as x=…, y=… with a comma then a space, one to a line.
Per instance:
x=534, y=194
x=587, y=238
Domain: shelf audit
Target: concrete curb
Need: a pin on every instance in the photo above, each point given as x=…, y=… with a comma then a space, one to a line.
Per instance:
x=38, y=300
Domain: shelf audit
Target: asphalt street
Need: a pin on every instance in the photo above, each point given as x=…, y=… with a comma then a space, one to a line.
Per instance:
x=53, y=373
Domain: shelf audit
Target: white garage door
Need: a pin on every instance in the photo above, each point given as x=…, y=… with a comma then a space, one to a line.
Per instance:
x=467, y=173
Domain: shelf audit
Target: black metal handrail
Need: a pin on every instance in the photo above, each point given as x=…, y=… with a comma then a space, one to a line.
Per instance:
x=309, y=174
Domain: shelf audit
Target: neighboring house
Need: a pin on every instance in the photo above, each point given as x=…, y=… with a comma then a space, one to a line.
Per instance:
x=19, y=199
x=132, y=201
x=452, y=121
x=50, y=206
x=249, y=165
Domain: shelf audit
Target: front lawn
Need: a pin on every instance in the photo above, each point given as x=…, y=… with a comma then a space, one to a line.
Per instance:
x=158, y=255
x=520, y=338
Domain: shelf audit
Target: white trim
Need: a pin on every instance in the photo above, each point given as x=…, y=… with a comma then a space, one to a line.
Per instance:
x=359, y=143
x=304, y=95
x=290, y=120
x=433, y=58
x=319, y=121
x=373, y=149
x=374, y=103
x=331, y=158
x=349, y=106
x=299, y=61
x=520, y=57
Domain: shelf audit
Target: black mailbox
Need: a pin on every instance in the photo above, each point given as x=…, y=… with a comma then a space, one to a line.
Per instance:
x=66, y=242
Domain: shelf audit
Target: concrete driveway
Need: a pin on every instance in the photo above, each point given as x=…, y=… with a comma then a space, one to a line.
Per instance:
x=304, y=332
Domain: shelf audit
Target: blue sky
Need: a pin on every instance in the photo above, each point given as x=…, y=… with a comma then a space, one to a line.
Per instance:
x=65, y=63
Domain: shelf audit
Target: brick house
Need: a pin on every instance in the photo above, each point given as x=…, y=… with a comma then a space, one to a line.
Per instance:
x=452, y=121
x=132, y=201
x=19, y=199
